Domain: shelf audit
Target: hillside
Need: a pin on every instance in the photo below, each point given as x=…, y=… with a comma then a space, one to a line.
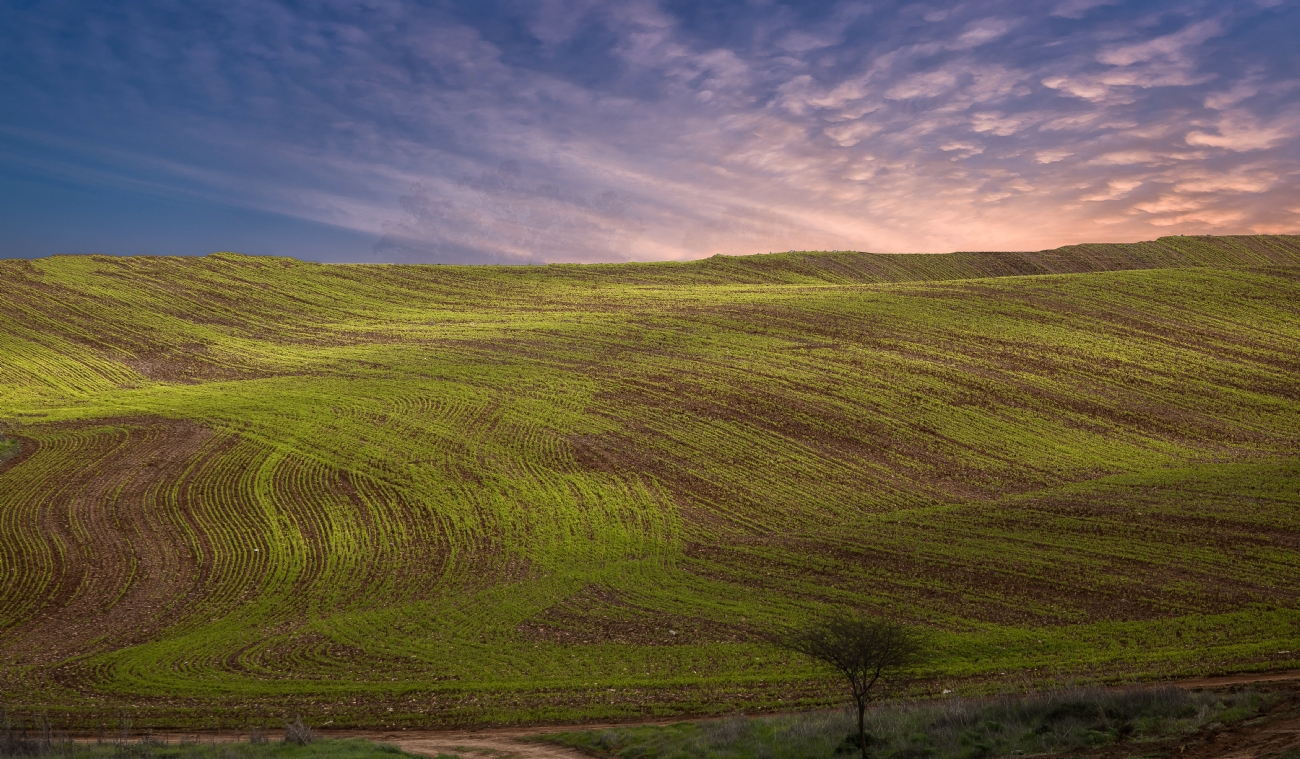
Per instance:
x=249, y=487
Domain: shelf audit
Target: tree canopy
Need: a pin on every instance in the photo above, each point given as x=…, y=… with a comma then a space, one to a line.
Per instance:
x=862, y=648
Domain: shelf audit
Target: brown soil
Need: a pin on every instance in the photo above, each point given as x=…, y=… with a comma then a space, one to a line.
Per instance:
x=498, y=744
x=118, y=533
x=1224, y=681
x=119, y=561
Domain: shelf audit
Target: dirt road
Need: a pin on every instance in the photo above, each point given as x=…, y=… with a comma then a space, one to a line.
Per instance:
x=483, y=743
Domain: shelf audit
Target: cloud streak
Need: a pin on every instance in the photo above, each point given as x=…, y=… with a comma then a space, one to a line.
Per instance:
x=583, y=131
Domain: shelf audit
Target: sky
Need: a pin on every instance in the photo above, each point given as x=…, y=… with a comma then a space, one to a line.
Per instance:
x=579, y=130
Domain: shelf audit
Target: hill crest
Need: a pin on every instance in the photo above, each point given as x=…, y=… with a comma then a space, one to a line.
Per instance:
x=858, y=267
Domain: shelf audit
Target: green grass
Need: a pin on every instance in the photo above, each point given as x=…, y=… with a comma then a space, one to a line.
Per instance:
x=8, y=448
x=1052, y=723
x=349, y=748
x=414, y=495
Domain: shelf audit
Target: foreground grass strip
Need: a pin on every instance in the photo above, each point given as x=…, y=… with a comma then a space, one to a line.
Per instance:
x=60, y=748
x=1049, y=723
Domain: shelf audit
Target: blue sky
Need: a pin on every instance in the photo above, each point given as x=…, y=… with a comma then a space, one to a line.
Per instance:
x=579, y=130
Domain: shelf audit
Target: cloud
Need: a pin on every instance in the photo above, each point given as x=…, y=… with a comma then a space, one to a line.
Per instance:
x=1170, y=46
x=923, y=85
x=990, y=83
x=1073, y=122
x=1143, y=158
x=1241, y=132
x=850, y=134
x=1164, y=61
x=1240, y=91
x=1052, y=155
x=1167, y=203
x=558, y=21
x=1091, y=89
x=1001, y=125
x=1079, y=8
x=1112, y=87
x=982, y=32
x=802, y=42
x=1115, y=188
x=1252, y=180
x=1209, y=217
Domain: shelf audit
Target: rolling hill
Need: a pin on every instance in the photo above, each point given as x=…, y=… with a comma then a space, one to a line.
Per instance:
x=236, y=488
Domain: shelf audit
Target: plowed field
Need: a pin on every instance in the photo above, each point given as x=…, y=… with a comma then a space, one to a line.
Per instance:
x=238, y=488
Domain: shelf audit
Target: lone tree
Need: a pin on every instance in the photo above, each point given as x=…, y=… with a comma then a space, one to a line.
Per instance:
x=864, y=649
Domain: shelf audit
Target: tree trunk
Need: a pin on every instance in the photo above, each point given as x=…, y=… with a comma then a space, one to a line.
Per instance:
x=862, y=726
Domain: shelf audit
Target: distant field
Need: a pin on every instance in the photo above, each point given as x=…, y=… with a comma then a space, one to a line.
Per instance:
x=422, y=495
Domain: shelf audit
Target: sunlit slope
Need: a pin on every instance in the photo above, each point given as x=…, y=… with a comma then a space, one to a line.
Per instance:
x=256, y=485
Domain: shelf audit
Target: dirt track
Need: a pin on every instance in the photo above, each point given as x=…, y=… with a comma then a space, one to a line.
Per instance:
x=483, y=743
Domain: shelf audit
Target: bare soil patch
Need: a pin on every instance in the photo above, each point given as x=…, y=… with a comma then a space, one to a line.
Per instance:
x=121, y=562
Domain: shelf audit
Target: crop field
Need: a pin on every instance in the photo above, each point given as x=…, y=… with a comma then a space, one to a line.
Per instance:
x=235, y=488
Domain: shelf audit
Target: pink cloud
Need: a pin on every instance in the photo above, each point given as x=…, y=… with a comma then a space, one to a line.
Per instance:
x=924, y=85
x=1241, y=132
x=1052, y=155
x=982, y=32
x=1251, y=181
x=1115, y=188
x=1172, y=46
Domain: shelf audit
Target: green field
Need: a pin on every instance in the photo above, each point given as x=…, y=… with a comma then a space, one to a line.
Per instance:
x=429, y=495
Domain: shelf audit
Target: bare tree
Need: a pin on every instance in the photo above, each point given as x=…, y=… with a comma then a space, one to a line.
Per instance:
x=864, y=649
